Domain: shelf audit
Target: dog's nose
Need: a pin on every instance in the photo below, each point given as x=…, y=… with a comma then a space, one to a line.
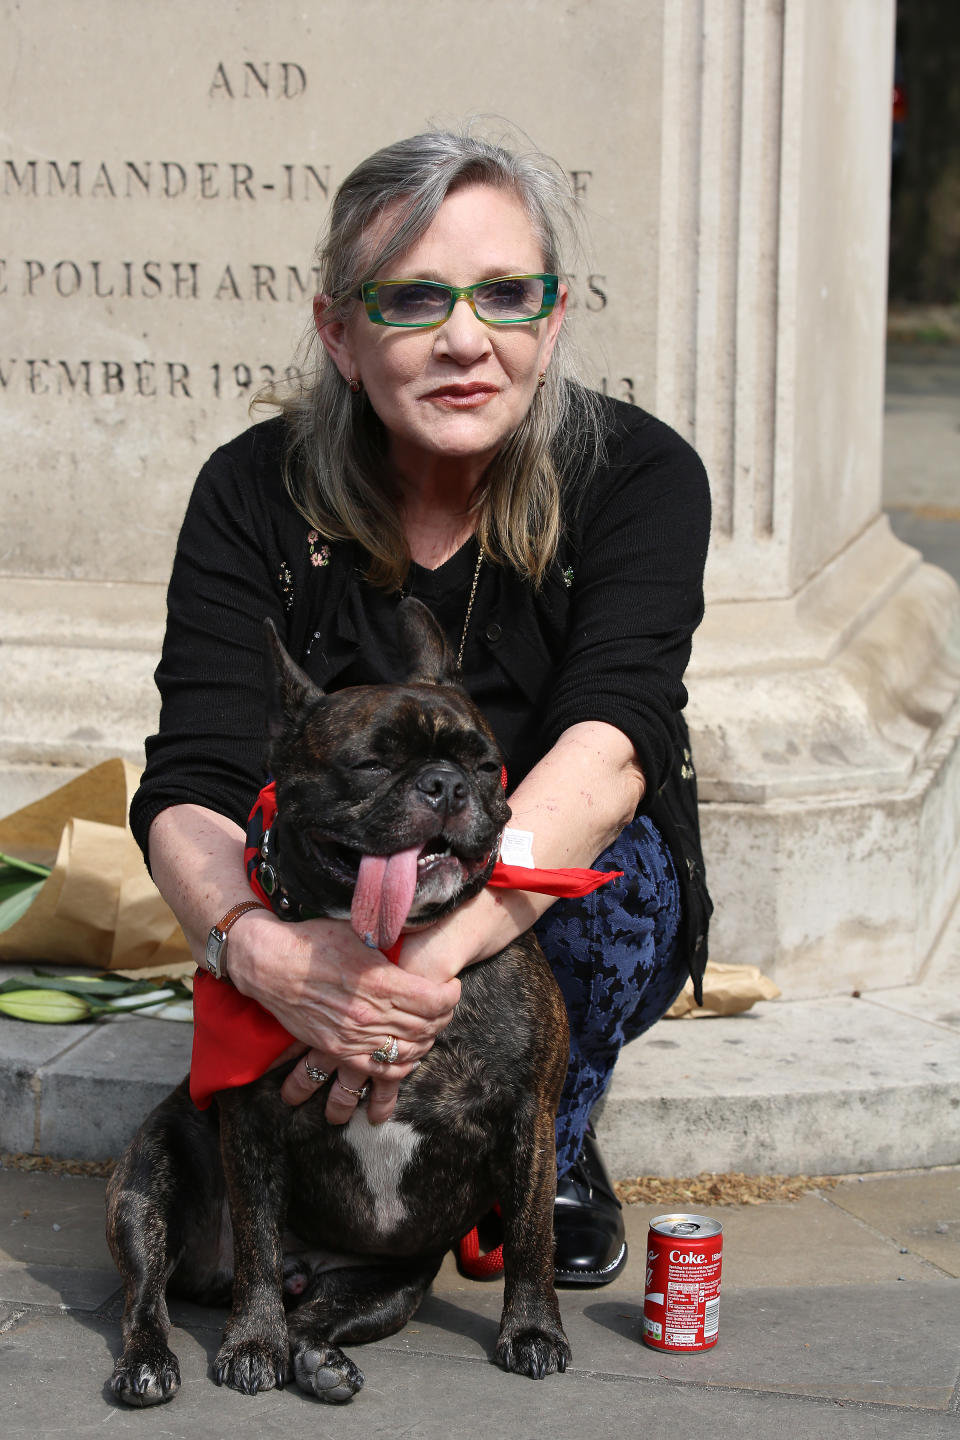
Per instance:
x=443, y=787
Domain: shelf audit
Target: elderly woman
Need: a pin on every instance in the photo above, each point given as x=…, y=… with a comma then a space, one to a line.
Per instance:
x=442, y=448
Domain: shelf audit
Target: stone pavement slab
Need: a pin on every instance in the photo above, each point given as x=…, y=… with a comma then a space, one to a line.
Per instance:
x=47, y=1219
x=50, y=1370
x=794, y=1340
x=921, y=443
x=921, y=1212
x=53, y=1251
x=818, y=1335
x=768, y=1246
x=934, y=530
x=921, y=429
x=57, y=1286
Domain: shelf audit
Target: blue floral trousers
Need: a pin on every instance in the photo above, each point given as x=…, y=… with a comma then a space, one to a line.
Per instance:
x=615, y=956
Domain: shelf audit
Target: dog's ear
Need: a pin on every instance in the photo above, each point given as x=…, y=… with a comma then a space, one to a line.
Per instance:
x=287, y=687
x=424, y=647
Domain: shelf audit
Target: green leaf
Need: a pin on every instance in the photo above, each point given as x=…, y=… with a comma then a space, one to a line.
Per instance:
x=95, y=986
x=98, y=989
x=38, y=982
x=26, y=865
x=16, y=897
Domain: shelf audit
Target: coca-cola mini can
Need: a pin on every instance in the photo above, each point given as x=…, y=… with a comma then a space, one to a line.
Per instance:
x=681, y=1294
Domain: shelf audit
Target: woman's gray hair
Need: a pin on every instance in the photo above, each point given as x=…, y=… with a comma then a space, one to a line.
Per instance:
x=336, y=472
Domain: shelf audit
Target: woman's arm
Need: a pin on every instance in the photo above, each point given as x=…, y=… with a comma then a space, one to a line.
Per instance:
x=638, y=546
x=338, y=998
x=575, y=802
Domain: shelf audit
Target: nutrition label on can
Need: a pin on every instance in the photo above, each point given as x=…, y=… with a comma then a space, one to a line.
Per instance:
x=689, y=1304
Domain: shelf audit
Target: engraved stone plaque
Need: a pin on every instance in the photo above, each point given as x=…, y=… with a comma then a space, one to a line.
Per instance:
x=164, y=173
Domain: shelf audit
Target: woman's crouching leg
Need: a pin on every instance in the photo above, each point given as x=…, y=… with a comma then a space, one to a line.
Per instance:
x=616, y=958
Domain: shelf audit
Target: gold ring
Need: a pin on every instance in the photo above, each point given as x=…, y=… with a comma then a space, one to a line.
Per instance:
x=388, y=1052
x=319, y=1077
x=361, y=1094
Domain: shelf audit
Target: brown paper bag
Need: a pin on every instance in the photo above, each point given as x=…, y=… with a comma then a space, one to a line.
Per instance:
x=99, y=906
x=727, y=990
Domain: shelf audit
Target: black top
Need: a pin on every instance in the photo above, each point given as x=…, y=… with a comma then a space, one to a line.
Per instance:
x=606, y=637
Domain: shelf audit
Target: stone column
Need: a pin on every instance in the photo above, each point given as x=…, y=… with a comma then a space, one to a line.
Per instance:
x=825, y=679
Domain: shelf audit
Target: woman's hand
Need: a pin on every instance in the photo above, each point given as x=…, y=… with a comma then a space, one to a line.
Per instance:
x=341, y=1001
x=337, y=998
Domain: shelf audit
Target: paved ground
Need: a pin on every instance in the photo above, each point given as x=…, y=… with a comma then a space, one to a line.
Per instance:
x=921, y=488
x=838, y=1319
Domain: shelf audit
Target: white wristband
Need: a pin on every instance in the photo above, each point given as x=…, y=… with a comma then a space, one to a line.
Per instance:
x=516, y=848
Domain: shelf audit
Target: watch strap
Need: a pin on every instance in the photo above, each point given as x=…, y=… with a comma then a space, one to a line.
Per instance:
x=213, y=957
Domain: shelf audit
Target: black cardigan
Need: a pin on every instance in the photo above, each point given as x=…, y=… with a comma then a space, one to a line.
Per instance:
x=607, y=637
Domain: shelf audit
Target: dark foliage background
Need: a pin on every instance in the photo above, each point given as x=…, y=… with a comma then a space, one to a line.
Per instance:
x=925, y=197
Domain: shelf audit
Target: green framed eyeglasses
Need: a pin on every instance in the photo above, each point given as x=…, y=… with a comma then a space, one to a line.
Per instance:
x=420, y=304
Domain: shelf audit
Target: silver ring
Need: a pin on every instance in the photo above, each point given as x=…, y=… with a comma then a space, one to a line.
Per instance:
x=361, y=1094
x=319, y=1077
x=388, y=1052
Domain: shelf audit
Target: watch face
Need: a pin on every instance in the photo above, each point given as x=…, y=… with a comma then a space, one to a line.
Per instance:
x=212, y=955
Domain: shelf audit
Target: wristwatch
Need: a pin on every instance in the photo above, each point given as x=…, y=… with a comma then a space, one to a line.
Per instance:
x=214, y=956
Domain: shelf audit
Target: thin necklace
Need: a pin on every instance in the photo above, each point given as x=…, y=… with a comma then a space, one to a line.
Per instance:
x=466, y=621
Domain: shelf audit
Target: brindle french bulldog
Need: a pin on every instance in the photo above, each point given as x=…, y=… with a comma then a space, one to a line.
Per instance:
x=392, y=793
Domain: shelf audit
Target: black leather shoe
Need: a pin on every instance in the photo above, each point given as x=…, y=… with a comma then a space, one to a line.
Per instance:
x=591, y=1248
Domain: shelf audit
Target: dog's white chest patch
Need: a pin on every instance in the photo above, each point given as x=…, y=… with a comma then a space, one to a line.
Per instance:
x=384, y=1151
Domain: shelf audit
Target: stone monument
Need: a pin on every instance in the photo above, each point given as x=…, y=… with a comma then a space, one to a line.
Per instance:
x=164, y=174
x=825, y=680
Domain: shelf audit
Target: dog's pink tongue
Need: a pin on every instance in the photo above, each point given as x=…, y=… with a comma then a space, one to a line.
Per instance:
x=383, y=896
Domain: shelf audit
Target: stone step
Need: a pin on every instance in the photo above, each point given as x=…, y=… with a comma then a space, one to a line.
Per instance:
x=825, y=1086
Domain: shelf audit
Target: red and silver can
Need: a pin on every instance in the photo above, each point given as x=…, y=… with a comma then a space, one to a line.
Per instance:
x=681, y=1294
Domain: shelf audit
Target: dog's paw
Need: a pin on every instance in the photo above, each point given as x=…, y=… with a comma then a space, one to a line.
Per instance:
x=146, y=1379
x=252, y=1365
x=324, y=1371
x=533, y=1352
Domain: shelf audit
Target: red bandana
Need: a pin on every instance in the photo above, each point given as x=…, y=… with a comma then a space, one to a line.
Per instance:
x=235, y=1040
